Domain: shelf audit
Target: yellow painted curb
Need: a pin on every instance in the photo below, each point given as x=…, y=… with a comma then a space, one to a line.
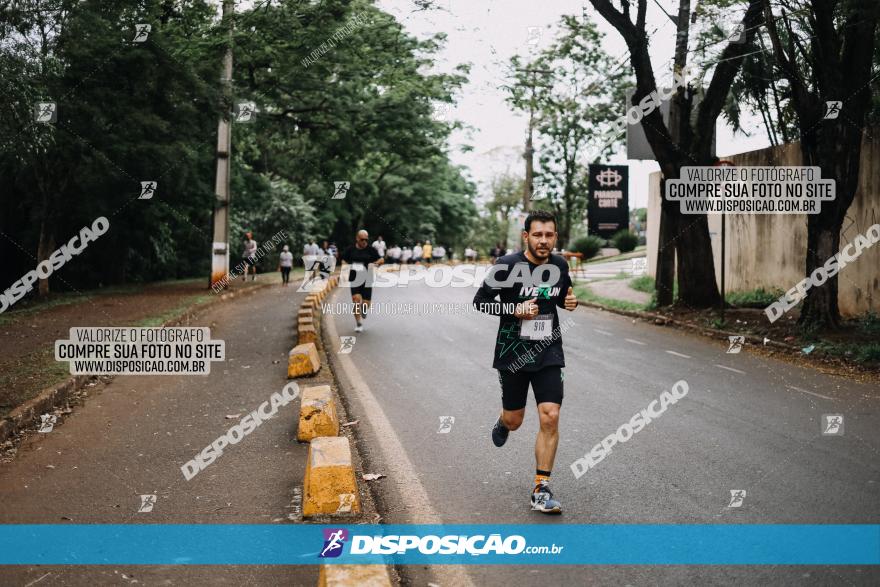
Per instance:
x=306, y=333
x=303, y=360
x=330, y=486
x=353, y=576
x=305, y=320
x=317, y=414
x=305, y=313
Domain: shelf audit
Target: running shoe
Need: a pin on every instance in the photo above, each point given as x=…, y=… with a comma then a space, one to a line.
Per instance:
x=542, y=500
x=359, y=328
x=499, y=433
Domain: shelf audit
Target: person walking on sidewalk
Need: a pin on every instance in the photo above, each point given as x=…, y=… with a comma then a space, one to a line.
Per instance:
x=359, y=257
x=528, y=347
x=249, y=254
x=285, y=264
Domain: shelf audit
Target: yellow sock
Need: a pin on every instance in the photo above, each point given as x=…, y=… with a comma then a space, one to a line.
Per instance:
x=542, y=477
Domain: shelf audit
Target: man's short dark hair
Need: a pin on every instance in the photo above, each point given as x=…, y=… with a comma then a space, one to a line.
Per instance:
x=540, y=216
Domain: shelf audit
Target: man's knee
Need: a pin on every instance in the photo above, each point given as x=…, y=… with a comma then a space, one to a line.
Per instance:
x=549, y=416
x=512, y=420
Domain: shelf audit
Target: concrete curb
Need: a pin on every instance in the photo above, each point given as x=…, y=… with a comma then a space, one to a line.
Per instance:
x=317, y=414
x=354, y=575
x=58, y=396
x=330, y=486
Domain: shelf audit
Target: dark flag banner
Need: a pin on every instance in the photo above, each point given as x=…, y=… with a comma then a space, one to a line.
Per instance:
x=608, y=209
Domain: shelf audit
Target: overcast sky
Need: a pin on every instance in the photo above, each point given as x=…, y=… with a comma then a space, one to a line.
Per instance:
x=487, y=33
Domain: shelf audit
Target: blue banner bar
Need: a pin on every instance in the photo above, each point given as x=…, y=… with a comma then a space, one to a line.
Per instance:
x=532, y=544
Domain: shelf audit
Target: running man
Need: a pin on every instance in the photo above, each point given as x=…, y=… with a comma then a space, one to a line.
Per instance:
x=528, y=347
x=360, y=256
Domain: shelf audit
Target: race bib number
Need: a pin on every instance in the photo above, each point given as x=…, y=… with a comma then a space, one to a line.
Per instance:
x=539, y=328
x=358, y=266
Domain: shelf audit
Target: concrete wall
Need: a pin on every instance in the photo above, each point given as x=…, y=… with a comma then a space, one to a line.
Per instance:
x=768, y=251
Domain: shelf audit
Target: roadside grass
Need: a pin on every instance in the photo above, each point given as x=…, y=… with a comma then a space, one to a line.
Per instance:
x=583, y=292
x=756, y=298
x=25, y=378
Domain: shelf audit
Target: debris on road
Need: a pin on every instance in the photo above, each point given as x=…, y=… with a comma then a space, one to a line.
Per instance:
x=372, y=476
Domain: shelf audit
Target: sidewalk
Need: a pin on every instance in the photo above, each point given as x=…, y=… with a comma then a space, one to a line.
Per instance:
x=133, y=434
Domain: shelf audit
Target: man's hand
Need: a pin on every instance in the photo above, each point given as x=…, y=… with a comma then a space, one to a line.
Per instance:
x=571, y=301
x=526, y=310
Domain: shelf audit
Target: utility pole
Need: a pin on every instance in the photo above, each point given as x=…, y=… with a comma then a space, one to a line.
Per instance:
x=220, y=246
x=529, y=154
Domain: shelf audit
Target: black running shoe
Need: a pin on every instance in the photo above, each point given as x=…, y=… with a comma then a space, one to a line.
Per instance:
x=499, y=433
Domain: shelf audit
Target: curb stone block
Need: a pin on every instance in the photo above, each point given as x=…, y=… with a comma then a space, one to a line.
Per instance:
x=303, y=360
x=353, y=576
x=317, y=414
x=330, y=485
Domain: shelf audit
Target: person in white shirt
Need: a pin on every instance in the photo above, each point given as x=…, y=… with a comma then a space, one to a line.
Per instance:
x=379, y=245
x=285, y=263
x=438, y=253
x=405, y=255
x=417, y=253
x=394, y=254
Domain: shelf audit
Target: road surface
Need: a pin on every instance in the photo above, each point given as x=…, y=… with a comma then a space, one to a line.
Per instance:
x=748, y=423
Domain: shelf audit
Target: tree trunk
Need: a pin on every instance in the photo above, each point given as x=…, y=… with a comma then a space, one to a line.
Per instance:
x=664, y=275
x=820, y=307
x=45, y=246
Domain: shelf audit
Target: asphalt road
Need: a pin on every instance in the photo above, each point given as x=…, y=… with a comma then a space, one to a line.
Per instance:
x=748, y=422
x=132, y=435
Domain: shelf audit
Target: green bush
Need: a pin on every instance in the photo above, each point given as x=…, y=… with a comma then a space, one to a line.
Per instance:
x=625, y=241
x=588, y=246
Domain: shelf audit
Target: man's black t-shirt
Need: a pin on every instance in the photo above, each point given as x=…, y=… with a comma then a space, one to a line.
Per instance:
x=536, y=344
x=359, y=260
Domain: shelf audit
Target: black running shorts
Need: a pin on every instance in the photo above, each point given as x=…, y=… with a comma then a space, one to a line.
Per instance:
x=546, y=385
x=362, y=290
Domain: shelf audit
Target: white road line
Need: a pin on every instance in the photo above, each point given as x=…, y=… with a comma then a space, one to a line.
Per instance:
x=605, y=332
x=730, y=369
x=679, y=354
x=634, y=341
x=810, y=392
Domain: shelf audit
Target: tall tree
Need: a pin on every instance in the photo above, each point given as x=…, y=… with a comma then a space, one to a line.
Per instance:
x=826, y=53
x=573, y=101
x=686, y=140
